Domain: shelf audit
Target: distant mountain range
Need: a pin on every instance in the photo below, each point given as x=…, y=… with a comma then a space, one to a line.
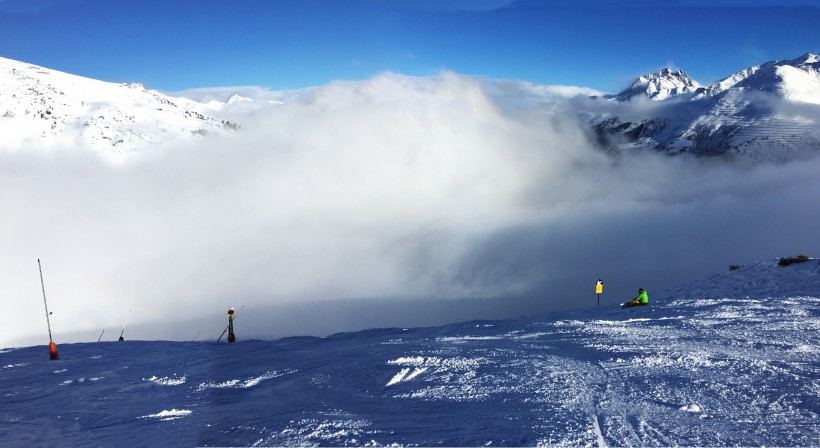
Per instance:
x=767, y=112
x=764, y=112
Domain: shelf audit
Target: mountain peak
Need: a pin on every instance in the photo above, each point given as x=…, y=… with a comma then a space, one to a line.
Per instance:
x=667, y=72
x=661, y=85
x=806, y=59
x=236, y=98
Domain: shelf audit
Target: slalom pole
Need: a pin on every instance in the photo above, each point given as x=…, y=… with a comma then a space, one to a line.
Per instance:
x=100, y=338
x=226, y=328
x=52, y=347
x=123, y=325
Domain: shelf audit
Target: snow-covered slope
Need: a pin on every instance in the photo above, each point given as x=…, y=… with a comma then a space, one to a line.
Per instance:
x=797, y=80
x=47, y=108
x=730, y=360
x=766, y=112
x=729, y=82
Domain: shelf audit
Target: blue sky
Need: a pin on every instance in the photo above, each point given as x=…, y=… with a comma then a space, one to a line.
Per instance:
x=284, y=44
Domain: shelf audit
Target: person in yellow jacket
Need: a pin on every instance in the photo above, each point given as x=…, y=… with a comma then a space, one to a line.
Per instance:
x=641, y=300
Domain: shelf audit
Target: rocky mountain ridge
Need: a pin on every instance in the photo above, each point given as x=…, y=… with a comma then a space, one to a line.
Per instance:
x=766, y=112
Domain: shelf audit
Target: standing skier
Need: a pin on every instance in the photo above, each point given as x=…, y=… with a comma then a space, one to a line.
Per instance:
x=641, y=300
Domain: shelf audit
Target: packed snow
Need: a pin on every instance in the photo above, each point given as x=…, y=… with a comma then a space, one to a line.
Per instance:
x=729, y=360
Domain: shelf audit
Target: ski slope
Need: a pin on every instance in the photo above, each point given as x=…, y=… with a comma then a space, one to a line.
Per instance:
x=730, y=360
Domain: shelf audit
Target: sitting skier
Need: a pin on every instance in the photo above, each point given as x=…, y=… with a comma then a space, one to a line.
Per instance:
x=641, y=300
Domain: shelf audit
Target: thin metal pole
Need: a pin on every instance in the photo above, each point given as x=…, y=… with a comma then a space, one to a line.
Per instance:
x=42, y=283
x=126, y=323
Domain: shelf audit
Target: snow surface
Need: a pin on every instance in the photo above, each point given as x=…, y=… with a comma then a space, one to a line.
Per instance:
x=730, y=360
x=47, y=108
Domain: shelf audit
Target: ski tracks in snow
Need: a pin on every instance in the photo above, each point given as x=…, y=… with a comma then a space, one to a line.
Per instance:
x=405, y=375
x=599, y=437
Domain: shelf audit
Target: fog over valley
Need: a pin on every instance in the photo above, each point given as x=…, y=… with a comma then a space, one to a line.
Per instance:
x=396, y=201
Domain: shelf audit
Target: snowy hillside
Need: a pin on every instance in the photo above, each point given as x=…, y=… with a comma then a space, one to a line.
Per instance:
x=48, y=108
x=767, y=112
x=730, y=360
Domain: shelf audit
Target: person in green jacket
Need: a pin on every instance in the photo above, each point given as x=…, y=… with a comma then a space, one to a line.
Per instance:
x=641, y=300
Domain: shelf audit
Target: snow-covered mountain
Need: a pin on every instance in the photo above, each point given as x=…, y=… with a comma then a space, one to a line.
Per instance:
x=48, y=108
x=729, y=360
x=661, y=85
x=771, y=111
x=766, y=112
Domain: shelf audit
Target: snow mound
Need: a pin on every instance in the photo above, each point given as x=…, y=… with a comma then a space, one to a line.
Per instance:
x=240, y=384
x=691, y=408
x=11, y=366
x=168, y=381
x=166, y=415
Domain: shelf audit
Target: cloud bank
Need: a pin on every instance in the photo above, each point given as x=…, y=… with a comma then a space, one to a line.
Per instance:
x=396, y=201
